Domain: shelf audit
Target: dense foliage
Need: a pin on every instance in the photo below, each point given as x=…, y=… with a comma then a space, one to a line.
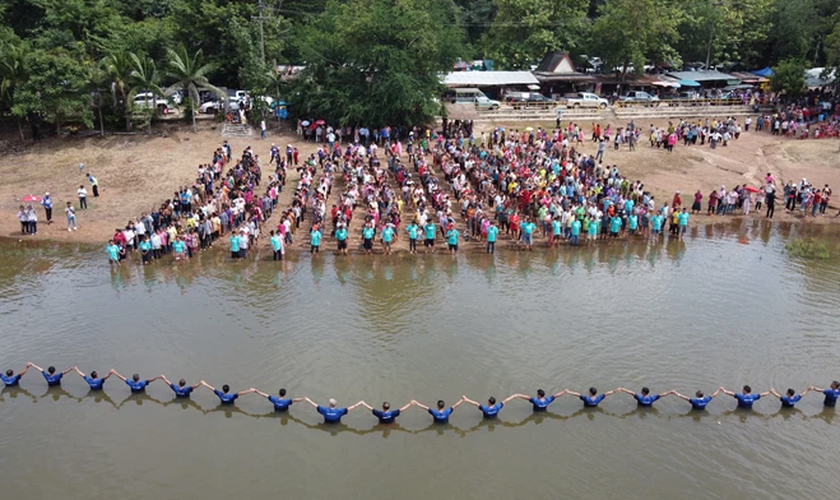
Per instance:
x=368, y=60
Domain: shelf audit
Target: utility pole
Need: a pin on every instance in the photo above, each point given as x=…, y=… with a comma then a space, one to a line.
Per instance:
x=261, y=18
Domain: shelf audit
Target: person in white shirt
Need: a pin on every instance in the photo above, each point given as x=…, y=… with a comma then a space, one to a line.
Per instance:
x=82, y=193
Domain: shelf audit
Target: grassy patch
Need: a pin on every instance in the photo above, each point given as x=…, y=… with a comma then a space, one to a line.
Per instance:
x=807, y=249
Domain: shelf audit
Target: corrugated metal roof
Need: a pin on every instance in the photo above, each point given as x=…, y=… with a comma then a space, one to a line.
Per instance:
x=489, y=78
x=701, y=76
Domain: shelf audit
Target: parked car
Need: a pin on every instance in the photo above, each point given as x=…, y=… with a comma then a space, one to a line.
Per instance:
x=637, y=96
x=483, y=103
x=147, y=100
x=584, y=100
x=529, y=100
x=215, y=106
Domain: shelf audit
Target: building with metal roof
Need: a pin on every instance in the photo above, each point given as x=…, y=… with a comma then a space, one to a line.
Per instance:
x=489, y=78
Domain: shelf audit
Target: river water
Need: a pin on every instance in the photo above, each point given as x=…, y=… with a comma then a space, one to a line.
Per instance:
x=725, y=307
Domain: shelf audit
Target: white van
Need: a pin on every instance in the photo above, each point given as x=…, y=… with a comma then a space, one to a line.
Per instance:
x=465, y=96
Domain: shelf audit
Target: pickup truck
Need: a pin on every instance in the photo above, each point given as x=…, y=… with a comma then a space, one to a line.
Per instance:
x=637, y=96
x=529, y=100
x=484, y=103
x=147, y=100
x=584, y=100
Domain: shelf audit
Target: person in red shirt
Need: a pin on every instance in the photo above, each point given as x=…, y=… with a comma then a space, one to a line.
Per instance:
x=677, y=201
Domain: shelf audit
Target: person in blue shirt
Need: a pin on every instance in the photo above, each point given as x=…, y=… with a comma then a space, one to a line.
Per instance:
x=452, y=239
x=592, y=399
x=575, y=232
x=492, y=234
x=387, y=237
x=234, y=246
x=12, y=380
x=441, y=413
x=831, y=393
x=413, y=230
x=94, y=381
x=682, y=219
x=491, y=409
x=790, y=399
x=276, y=243
x=699, y=401
x=386, y=415
x=182, y=390
x=332, y=414
x=135, y=384
x=52, y=377
x=645, y=398
x=368, y=232
x=540, y=402
x=315, y=240
x=746, y=398
x=341, y=238
x=225, y=396
x=113, y=253
x=430, y=231
x=282, y=403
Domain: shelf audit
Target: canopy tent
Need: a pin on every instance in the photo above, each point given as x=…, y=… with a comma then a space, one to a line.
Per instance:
x=740, y=86
x=667, y=83
x=765, y=72
x=489, y=78
x=688, y=83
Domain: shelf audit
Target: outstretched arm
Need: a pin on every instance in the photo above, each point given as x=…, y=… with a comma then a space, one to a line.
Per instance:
x=259, y=392
x=115, y=373
x=33, y=365
x=81, y=374
x=804, y=393
x=626, y=391
x=610, y=393
x=369, y=407
x=512, y=396
x=717, y=392
x=65, y=372
x=297, y=400
x=465, y=399
x=407, y=406
x=313, y=403
x=728, y=393
x=159, y=377
x=681, y=396
x=773, y=392
x=573, y=393
x=162, y=376
x=106, y=377
x=353, y=407
x=421, y=405
x=205, y=384
x=456, y=405
x=764, y=394
x=23, y=372
x=817, y=389
x=560, y=393
x=247, y=391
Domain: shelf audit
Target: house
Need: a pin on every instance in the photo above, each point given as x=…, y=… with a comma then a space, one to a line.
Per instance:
x=557, y=74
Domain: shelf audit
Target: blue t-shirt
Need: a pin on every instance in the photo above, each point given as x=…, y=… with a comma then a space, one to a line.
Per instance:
x=790, y=401
x=367, y=233
x=113, y=251
x=528, y=228
x=315, y=238
x=386, y=417
x=139, y=386
x=633, y=221
x=700, y=403
x=541, y=404
x=11, y=381
x=332, y=415
x=228, y=398
x=683, y=218
x=646, y=400
x=180, y=246
x=54, y=379
x=94, y=383
x=280, y=404
x=831, y=396
x=430, y=231
x=275, y=243
x=492, y=231
x=491, y=411
x=591, y=401
x=555, y=227
x=412, y=231
x=441, y=416
x=615, y=224
x=452, y=236
x=747, y=400
x=656, y=220
x=576, y=228
x=234, y=243
x=181, y=392
x=341, y=234
x=387, y=234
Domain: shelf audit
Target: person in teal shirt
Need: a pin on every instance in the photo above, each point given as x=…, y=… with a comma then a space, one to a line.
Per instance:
x=412, y=231
x=234, y=246
x=387, y=237
x=632, y=223
x=615, y=226
x=146, y=250
x=113, y=253
x=592, y=233
x=452, y=239
x=528, y=233
x=277, y=246
x=682, y=218
x=576, y=232
x=555, y=231
x=656, y=223
x=367, y=234
x=492, y=233
x=179, y=249
x=430, y=230
x=341, y=237
x=315, y=240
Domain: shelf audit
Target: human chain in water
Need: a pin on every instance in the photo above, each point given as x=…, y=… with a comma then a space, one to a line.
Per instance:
x=440, y=412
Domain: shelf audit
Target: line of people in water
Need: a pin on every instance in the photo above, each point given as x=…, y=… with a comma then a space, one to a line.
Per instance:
x=440, y=412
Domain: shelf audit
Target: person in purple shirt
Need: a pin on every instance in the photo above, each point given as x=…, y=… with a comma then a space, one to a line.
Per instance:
x=332, y=414
x=135, y=384
x=746, y=398
x=644, y=398
x=225, y=396
x=12, y=380
x=52, y=377
x=282, y=403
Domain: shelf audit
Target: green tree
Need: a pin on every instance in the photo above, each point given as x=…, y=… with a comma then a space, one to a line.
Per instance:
x=523, y=31
x=13, y=75
x=190, y=75
x=377, y=62
x=789, y=77
x=144, y=78
x=793, y=29
x=118, y=67
x=98, y=86
x=636, y=31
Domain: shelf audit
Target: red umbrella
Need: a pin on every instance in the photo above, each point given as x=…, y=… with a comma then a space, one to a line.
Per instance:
x=751, y=189
x=31, y=197
x=320, y=122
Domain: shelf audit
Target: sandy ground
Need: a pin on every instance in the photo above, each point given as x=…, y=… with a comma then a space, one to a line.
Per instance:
x=136, y=173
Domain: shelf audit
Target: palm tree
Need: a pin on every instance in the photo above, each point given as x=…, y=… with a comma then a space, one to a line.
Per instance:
x=190, y=74
x=117, y=65
x=97, y=83
x=12, y=75
x=145, y=78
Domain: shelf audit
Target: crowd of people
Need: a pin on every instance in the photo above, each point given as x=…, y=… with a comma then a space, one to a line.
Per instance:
x=440, y=412
x=814, y=117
